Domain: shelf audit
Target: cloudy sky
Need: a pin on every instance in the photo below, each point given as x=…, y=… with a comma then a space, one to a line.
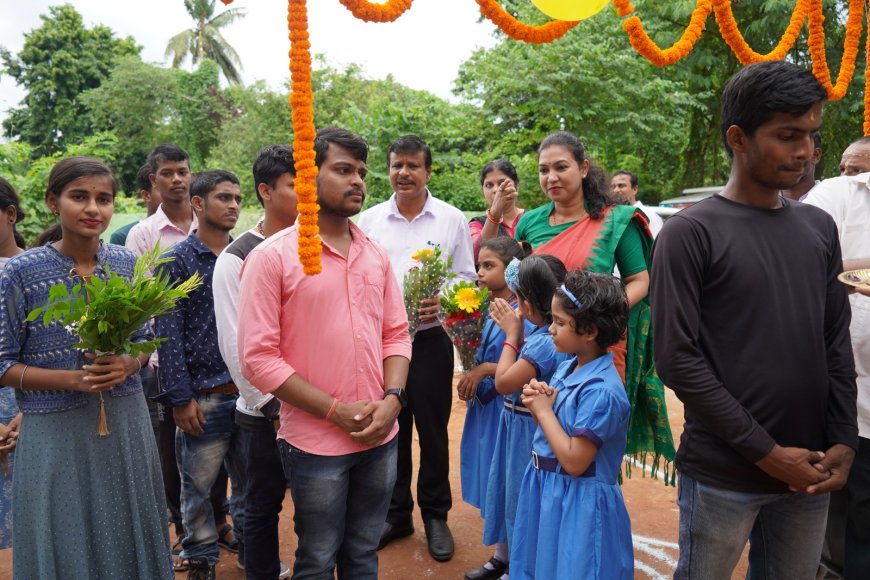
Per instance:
x=422, y=49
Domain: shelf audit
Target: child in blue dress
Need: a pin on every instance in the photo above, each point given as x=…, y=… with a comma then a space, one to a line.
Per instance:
x=477, y=386
x=527, y=353
x=571, y=519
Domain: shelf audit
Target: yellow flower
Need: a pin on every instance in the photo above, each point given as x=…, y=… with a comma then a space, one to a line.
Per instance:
x=426, y=253
x=467, y=300
x=416, y=256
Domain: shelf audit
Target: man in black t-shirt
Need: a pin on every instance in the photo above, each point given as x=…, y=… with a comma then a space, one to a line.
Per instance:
x=752, y=334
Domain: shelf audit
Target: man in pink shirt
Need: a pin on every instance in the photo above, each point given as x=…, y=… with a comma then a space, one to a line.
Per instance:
x=335, y=349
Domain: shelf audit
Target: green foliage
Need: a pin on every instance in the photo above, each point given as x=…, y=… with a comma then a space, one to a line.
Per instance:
x=59, y=60
x=424, y=281
x=201, y=107
x=205, y=41
x=29, y=176
x=106, y=314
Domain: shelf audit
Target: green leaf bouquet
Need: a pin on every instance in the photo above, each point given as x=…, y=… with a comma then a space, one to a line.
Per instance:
x=424, y=280
x=105, y=314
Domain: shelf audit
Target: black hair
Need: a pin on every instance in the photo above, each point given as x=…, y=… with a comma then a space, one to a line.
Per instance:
x=167, y=152
x=595, y=190
x=9, y=198
x=603, y=305
x=632, y=176
x=142, y=179
x=410, y=144
x=204, y=182
x=49, y=235
x=817, y=139
x=355, y=144
x=272, y=162
x=507, y=248
x=538, y=277
x=502, y=165
x=761, y=89
x=68, y=170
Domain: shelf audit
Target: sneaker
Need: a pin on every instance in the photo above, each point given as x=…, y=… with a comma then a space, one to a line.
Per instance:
x=285, y=572
x=200, y=569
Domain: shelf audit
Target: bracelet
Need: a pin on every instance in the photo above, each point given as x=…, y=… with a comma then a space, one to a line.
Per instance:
x=332, y=409
x=511, y=346
x=21, y=378
x=140, y=365
x=492, y=219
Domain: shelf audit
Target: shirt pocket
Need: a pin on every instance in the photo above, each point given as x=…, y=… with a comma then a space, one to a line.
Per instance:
x=856, y=241
x=373, y=302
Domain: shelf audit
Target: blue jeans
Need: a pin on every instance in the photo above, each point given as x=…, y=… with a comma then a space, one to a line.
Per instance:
x=340, y=508
x=199, y=461
x=785, y=532
x=265, y=489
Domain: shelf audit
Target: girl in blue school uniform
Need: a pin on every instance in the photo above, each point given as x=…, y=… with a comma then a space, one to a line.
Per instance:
x=527, y=353
x=477, y=386
x=571, y=520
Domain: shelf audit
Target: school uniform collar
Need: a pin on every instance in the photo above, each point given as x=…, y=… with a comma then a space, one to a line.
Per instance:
x=581, y=376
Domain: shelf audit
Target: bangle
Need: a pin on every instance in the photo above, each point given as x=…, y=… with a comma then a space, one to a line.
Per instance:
x=140, y=365
x=21, y=377
x=511, y=346
x=492, y=219
x=332, y=409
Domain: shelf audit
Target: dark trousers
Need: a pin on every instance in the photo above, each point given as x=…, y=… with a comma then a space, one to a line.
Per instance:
x=847, y=540
x=264, y=494
x=172, y=480
x=430, y=397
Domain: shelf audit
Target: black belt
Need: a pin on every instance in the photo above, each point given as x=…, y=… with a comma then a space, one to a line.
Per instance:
x=552, y=464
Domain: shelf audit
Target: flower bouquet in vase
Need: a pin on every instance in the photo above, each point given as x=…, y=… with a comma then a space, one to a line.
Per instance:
x=424, y=280
x=464, y=308
x=105, y=314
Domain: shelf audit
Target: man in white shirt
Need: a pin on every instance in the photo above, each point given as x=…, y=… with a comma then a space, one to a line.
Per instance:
x=623, y=189
x=263, y=490
x=856, y=157
x=847, y=200
x=413, y=219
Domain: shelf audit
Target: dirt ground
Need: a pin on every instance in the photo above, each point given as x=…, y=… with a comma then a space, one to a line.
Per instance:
x=651, y=505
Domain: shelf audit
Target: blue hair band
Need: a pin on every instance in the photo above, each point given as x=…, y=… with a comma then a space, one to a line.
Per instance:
x=571, y=296
x=512, y=275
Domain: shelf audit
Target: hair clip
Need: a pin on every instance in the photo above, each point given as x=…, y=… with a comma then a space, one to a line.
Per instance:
x=571, y=296
x=512, y=275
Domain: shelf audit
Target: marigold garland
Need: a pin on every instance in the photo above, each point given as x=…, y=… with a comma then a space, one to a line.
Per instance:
x=302, y=105
x=517, y=30
x=744, y=53
x=646, y=47
x=850, y=47
x=867, y=80
x=387, y=12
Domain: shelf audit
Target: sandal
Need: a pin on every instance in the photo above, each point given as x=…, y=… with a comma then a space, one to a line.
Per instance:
x=227, y=539
x=178, y=564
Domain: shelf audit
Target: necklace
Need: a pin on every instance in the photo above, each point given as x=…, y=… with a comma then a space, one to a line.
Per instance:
x=557, y=222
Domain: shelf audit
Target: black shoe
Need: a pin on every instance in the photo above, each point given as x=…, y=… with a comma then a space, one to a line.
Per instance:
x=440, y=540
x=200, y=569
x=484, y=573
x=394, y=532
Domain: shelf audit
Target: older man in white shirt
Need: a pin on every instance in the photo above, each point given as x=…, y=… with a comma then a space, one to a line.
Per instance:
x=847, y=200
x=410, y=220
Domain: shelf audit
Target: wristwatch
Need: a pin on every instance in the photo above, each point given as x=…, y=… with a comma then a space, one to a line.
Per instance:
x=400, y=394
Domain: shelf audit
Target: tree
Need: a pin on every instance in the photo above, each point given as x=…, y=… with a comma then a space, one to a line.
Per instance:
x=59, y=60
x=205, y=41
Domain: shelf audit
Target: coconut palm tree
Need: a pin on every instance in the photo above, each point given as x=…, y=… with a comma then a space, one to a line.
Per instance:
x=205, y=40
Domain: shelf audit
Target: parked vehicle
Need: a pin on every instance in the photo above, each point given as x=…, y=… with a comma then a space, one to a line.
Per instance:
x=690, y=196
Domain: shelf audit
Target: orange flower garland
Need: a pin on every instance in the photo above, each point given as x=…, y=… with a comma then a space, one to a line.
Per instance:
x=387, y=12
x=743, y=52
x=867, y=81
x=646, y=47
x=850, y=48
x=302, y=104
x=517, y=30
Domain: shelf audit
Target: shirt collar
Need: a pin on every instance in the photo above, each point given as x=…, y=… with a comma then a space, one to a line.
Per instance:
x=593, y=369
x=199, y=246
x=161, y=220
x=427, y=207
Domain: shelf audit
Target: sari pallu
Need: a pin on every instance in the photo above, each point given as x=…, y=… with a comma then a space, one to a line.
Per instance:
x=590, y=245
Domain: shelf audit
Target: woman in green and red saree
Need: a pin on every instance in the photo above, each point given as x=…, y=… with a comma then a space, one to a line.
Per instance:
x=581, y=228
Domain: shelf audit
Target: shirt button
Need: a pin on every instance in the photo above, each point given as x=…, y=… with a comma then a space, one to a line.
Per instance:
x=360, y=370
x=353, y=301
x=359, y=336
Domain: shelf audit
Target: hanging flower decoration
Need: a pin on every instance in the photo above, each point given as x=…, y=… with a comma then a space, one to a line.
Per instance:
x=302, y=104
x=644, y=45
x=517, y=30
x=386, y=12
x=744, y=53
x=850, y=48
x=867, y=81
